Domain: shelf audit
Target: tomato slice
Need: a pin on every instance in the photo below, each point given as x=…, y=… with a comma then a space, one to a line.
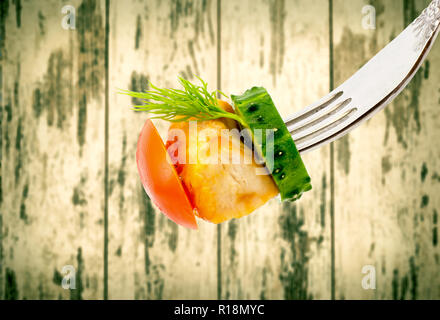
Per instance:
x=160, y=179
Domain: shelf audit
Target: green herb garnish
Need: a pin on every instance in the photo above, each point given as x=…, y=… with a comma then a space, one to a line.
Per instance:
x=181, y=105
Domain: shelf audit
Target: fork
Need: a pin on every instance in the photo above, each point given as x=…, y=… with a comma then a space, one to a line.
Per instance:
x=370, y=89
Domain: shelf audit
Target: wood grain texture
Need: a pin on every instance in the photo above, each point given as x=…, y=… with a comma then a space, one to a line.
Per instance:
x=52, y=150
x=281, y=251
x=151, y=257
x=385, y=174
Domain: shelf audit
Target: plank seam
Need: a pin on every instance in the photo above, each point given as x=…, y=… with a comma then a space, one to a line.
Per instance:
x=106, y=138
x=332, y=162
x=219, y=229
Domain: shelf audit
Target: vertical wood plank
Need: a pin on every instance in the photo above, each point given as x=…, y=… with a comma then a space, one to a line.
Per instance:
x=4, y=10
x=52, y=149
x=151, y=257
x=386, y=171
x=281, y=251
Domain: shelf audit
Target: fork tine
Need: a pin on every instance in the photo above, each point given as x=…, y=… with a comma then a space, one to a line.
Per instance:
x=330, y=132
x=332, y=114
x=313, y=111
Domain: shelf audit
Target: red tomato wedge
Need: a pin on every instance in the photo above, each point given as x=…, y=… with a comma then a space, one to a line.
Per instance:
x=160, y=179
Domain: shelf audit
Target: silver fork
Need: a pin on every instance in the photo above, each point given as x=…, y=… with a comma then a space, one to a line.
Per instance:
x=370, y=89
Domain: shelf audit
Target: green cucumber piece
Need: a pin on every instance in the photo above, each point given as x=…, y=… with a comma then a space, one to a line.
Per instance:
x=258, y=111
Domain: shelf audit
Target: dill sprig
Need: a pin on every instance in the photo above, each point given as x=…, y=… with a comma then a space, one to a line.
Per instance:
x=174, y=105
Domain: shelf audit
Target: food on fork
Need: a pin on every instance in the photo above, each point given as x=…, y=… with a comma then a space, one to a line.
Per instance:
x=220, y=189
x=219, y=162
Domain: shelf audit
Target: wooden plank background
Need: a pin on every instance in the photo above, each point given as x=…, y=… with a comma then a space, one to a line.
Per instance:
x=65, y=142
x=389, y=220
x=283, y=248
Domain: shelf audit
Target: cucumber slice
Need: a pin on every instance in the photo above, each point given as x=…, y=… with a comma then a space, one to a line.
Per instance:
x=258, y=111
